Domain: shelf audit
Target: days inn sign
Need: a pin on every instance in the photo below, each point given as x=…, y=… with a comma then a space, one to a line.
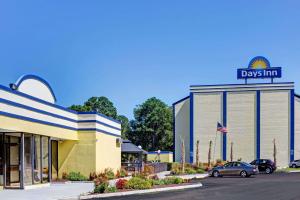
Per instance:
x=259, y=68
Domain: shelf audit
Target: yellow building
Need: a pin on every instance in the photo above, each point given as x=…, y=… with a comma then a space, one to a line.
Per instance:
x=39, y=140
x=163, y=156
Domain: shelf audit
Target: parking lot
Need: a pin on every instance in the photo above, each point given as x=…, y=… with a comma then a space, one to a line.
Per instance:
x=277, y=186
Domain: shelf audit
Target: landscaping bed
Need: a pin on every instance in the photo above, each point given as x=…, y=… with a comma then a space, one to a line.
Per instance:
x=288, y=170
x=108, y=183
x=154, y=188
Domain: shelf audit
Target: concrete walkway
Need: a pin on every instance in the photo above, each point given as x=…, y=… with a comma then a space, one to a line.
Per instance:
x=164, y=174
x=54, y=192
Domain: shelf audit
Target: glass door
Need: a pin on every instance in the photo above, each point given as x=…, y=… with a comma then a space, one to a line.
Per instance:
x=12, y=158
x=54, y=159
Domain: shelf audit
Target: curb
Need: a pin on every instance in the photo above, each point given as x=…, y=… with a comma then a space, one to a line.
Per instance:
x=296, y=171
x=118, y=194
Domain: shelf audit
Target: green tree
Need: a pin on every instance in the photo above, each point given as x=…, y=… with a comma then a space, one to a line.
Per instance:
x=98, y=104
x=102, y=105
x=80, y=108
x=125, y=126
x=152, y=125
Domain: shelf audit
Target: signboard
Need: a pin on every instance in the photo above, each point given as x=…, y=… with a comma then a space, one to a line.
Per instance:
x=259, y=68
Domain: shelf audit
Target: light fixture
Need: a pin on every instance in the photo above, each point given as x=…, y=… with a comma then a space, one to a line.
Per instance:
x=13, y=86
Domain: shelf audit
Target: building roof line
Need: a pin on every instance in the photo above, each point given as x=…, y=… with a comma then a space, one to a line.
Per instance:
x=249, y=84
x=177, y=102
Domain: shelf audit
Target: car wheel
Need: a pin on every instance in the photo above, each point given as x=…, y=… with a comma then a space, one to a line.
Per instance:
x=243, y=174
x=216, y=174
x=294, y=166
x=268, y=170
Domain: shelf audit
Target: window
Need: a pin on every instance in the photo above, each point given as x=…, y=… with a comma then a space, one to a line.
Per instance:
x=1, y=159
x=27, y=160
x=228, y=165
x=45, y=157
x=236, y=164
x=54, y=157
x=37, y=160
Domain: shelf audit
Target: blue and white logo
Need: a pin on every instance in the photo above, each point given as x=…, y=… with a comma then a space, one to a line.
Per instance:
x=259, y=68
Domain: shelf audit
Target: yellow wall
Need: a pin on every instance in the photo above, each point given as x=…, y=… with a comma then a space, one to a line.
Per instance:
x=36, y=128
x=78, y=151
x=78, y=156
x=108, y=153
x=164, y=157
x=93, y=152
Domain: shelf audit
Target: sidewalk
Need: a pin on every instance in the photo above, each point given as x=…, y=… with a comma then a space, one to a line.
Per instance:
x=164, y=174
x=54, y=192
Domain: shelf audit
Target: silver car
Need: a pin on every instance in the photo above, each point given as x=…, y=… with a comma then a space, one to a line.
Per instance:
x=234, y=169
x=294, y=164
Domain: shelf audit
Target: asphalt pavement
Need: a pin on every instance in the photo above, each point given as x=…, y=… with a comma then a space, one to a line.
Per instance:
x=277, y=186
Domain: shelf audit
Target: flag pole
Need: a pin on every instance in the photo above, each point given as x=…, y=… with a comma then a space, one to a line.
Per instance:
x=215, y=146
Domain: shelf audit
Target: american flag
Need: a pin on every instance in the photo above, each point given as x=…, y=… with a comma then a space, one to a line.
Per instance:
x=221, y=128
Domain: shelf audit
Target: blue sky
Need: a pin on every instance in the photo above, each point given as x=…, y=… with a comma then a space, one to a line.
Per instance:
x=132, y=50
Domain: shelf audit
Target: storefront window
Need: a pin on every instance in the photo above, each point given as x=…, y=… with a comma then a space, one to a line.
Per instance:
x=54, y=157
x=12, y=151
x=1, y=160
x=27, y=160
x=45, y=158
x=37, y=160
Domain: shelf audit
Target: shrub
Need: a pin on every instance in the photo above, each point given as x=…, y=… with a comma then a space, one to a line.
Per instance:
x=140, y=175
x=101, y=178
x=92, y=176
x=121, y=173
x=100, y=188
x=200, y=171
x=64, y=175
x=175, y=169
x=219, y=162
x=158, y=182
x=121, y=184
x=148, y=170
x=111, y=189
x=76, y=176
x=190, y=171
x=138, y=183
x=154, y=177
x=173, y=180
x=109, y=173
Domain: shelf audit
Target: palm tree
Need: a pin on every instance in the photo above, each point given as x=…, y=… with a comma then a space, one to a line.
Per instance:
x=274, y=151
x=209, y=153
x=231, y=151
x=182, y=155
x=197, y=154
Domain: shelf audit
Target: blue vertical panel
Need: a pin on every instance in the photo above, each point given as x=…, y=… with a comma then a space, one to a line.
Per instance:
x=224, y=124
x=191, y=127
x=292, y=124
x=258, y=124
x=173, y=111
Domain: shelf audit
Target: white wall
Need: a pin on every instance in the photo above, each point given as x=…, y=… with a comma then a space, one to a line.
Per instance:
x=37, y=89
x=275, y=124
x=23, y=106
x=297, y=128
x=241, y=113
x=207, y=112
x=182, y=129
